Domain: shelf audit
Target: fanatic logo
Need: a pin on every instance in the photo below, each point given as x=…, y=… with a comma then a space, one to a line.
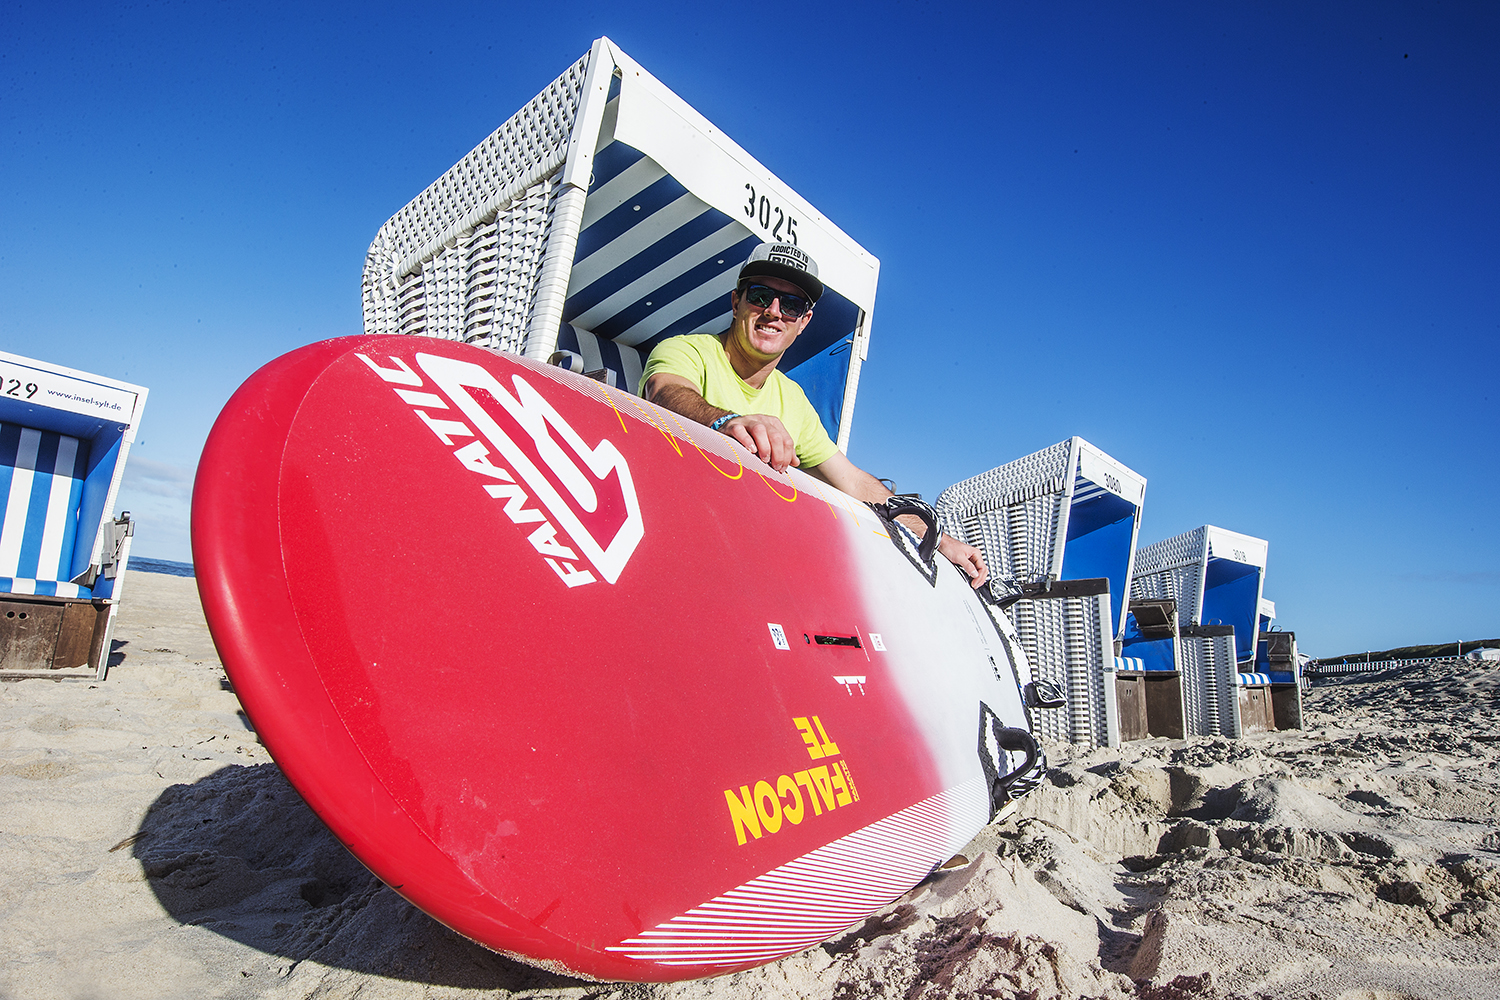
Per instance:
x=524, y=449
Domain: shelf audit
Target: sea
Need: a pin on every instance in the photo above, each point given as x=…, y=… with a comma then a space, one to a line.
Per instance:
x=142, y=564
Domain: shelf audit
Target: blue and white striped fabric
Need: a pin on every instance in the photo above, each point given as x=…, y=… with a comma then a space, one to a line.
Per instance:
x=1085, y=489
x=1129, y=663
x=653, y=261
x=41, y=482
x=625, y=362
x=1246, y=679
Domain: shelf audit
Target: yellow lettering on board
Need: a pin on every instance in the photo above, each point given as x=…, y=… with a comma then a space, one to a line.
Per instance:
x=804, y=778
x=785, y=785
x=814, y=749
x=611, y=401
x=768, y=806
x=742, y=811
x=830, y=748
x=790, y=499
x=738, y=472
x=825, y=785
x=840, y=786
x=849, y=779
x=648, y=418
x=824, y=499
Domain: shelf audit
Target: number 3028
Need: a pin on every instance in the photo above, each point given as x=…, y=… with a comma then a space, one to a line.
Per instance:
x=13, y=388
x=783, y=227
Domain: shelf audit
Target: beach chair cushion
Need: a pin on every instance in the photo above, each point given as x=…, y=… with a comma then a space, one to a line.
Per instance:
x=42, y=588
x=1129, y=663
x=1265, y=677
x=41, y=486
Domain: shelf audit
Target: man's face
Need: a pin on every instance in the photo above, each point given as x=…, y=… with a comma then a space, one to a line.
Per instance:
x=765, y=333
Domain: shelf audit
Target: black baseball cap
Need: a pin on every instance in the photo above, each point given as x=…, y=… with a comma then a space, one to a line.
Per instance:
x=787, y=262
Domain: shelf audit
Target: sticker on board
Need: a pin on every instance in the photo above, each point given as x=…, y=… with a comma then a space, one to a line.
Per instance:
x=778, y=635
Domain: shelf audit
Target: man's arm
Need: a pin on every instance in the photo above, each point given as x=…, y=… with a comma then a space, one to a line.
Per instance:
x=764, y=435
x=767, y=437
x=837, y=471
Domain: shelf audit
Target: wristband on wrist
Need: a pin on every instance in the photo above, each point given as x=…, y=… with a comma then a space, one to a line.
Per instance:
x=719, y=424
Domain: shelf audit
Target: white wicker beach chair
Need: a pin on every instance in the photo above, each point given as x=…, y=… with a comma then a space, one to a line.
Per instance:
x=64, y=436
x=601, y=218
x=1066, y=513
x=1216, y=577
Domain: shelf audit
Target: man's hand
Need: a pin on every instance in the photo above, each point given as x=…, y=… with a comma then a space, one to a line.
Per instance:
x=966, y=558
x=766, y=436
x=839, y=472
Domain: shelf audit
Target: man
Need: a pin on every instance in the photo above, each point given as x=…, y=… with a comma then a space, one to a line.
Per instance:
x=729, y=381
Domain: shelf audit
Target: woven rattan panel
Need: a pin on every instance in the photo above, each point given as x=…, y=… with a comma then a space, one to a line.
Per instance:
x=506, y=266
x=1022, y=479
x=481, y=289
x=1177, y=550
x=1174, y=568
x=461, y=260
x=1179, y=583
x=1208, y=690
x=1225, y=692
x=1011, y=514
x=1061, y=638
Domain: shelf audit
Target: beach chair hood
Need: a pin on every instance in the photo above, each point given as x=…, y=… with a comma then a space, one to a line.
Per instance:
x=601, y=218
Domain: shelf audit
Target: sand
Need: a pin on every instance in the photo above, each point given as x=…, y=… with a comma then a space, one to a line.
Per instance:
x=150, y=848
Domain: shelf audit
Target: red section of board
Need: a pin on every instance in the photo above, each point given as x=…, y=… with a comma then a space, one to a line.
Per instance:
x=510, y=635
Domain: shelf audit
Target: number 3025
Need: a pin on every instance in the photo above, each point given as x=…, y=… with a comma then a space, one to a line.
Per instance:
x=13, y=388
x=784, y=229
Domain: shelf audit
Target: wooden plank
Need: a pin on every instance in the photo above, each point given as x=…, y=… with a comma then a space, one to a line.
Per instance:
x=76, y=635
x=28, y=634
x=1164, y=706
x=1130, y=691
x=1255, y=709
x=1286, y=706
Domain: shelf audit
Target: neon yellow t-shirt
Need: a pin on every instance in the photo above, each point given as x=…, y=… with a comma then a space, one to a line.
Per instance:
x=700, y=358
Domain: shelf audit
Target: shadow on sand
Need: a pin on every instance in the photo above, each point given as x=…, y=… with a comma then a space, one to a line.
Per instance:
x=241, y=854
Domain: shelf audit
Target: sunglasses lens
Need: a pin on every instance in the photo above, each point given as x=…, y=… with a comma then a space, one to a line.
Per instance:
x=761, y=297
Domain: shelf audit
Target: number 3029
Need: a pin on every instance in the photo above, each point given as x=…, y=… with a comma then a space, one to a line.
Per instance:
x=13, y=388
x=782, y=226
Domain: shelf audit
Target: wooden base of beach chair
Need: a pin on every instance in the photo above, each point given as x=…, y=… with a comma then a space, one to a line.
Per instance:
x=1256, y=715
x=1130, y=692
x=1164, y=711
x=50, y=633
x=1150, y=704
x=1286, y=706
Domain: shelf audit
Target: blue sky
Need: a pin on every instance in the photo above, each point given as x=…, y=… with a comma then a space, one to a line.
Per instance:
x=1250, y=250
